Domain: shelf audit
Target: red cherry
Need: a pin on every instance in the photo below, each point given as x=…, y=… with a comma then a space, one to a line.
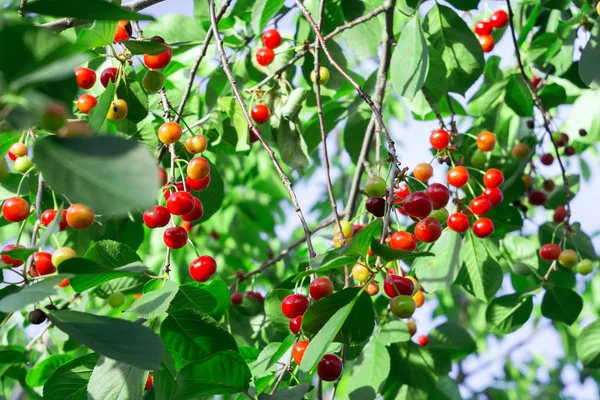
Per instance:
x=457, y=176
x=86, y=102
x=162, y=176
x=493, y=178
x=42, y=263
x=401, y=193
x=480, y=205
x=376, y=206
x=176, y=237
x=330, y=368
x=570, y=151
x=483, y=28
x=428, y=230
x=197, y=184
x=157, y=217
x=256, y=296
x=298, y=351
x=396, y=284
x=161, y=60
x=499, y=19
x=487, y=43
x=537, y=197
x=49, y=215
x=439, y=195
x=15, y=209
x=85, y=77
x=108, y=74
x=458, y=222
x=296, y=324
x=535, y=81
x=271, y=38
x=260, y=113
x=202, y=268
x=294, y=305
x=265, y=56
x=149, y=383
x=418, y=205
x=494, y=195
x=422, y=340
x=180, y=203
x=121, y=34
x=550, y=252
x=236, y=298
x=403, y=240
x=439, y=139
x=253, y=135
x=560, y=213
x=356, y=228
x=483, y=227
x=167, y=191
x=11, y=155
x=320, y=288
x=8, y=260
x=196, y=213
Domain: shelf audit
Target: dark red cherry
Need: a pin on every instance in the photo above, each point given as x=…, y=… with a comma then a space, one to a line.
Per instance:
x=255, y=295
x=320, y=288
x=330, y=368
x=418, y=205
x=536, y=197
x=439, y=195
x=396, y=284
x=108, y=74
x=376, y=206
x=236, y=298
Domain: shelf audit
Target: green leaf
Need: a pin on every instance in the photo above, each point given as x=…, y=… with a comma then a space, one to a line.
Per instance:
x=552, y=96
x=388, y=254
x=369, y=372
x=557, y=196
x=137, y=100
x=588, y=64
x=287, y=344
x=361, y=242
x=393, y=332
x=262, y=12
x=99, y=113
x=297, y=392
x=118, y=339
x=100, y=34
x=436, y=83
x=90, y=9
x=69, y=382
x=460, y=50
x=328, y=261
x=544, y=47
x=114, y=380
x=506, y=218
x=107, y=173
x=233, y=110
x=294, y=102
x=410, y=61
x=18, y=254
x=413, y=365
x=483, y=274
x=176, y=27
x=508, y=313
x=212, y=197
x=291, y=144
x=519, y=249
x=356, y=326
x=561, y=304
x=518, y=98
x=588, y=345
x=10, y=357
x=31, y=294
x=43, y=370
x=155, y=303
x=191, y=336
x=221, y=373
x=144, y=47
x=437, y=273
x=452, y=338
x=88, y=274
x=464, y=5
x=164, y=380
x=273, y=309
x=211, y=298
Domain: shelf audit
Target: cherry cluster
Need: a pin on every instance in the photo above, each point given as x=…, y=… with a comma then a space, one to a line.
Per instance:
x=484, y=29
x=567, y=258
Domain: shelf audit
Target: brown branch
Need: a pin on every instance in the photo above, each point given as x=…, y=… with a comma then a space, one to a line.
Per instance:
x=433, y=106
x=65, y=23
x=284, y=179
x=20, y=11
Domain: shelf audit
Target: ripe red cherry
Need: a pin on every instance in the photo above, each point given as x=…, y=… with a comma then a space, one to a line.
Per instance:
x=330, y=368
x=439, y=195
x=487, y=43
x=85, y=77
x=457, y=176
x=121, y=33
x=458, y=222
x=483, y=28
x=157, y=217
x=547, y=159
x=197, y=184
x=428, y=230
x=15, y=209
x=86, y=102
x=535, y=81
x=296, y=324
x=149, y=383
x=202, y=268
x=49, y=215
x=108, y=74
x=167, y=191
x=422, y=340
x=570, y=151
x=294, y=305
x=271, y=38
x=376, y=206
x=180, y=203
x=161, y=60
x=8, y=260
x=480, y=205
x=162, y=176
x=196, y=213
x=493, y=178
x=395, y=285
x=236, y=298
x=536, y=197
x=560, y=213
x=42, y=263
x=418, y=205
x=260, y=113
x=253, y=135
x=439, y=139
x=550, y=252
x=494, y=195
x=320, y=288
x=403, y=240
x=499, y=19
x=265, y=56
x=401, y=193
x=483, y=227
x=176, y=237
x=255, y=295
x=298, y=351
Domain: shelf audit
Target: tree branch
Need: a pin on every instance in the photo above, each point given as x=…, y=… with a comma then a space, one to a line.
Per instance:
x=238, y=96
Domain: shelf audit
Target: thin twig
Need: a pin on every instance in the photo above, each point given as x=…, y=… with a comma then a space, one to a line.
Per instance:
x=433, y=106
x=37, y=337
x=20, y=12
x=270, y=152
x=285, y=368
